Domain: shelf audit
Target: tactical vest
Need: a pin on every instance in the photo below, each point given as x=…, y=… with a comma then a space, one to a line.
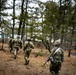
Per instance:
x=57, y=56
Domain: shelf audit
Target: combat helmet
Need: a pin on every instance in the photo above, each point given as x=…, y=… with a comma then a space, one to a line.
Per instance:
x=28, y=39
x=11, y=37
x=57, y=42
x=18, y=36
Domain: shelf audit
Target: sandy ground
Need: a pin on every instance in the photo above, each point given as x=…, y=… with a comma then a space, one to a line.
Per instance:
x=9, y=66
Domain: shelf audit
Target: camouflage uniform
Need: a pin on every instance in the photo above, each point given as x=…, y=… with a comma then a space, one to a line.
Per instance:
x=17, y=44
x=56, y=57
x=28, y=46
x=10, y=44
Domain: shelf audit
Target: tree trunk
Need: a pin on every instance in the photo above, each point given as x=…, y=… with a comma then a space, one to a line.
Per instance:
x=0, y=17
x=73, y=26
x=21, y=19
x=59, y=20
x=25, y=19
x=13, y=18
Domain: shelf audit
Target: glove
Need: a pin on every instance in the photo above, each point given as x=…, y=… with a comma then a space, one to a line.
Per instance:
x=51, y=58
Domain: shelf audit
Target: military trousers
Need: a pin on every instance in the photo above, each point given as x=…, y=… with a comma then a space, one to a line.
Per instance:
x=16, y=49
x=26, y=56
x=55, y=67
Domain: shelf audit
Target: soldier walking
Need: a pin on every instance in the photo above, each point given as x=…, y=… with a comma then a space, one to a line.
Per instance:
x=28, y=46
x=56, y=58
x=17, y=44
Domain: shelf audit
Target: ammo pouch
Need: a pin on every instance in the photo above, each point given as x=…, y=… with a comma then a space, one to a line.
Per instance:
x=52, y=59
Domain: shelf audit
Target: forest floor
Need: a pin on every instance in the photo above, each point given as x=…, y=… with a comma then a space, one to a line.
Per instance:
x=10, y=66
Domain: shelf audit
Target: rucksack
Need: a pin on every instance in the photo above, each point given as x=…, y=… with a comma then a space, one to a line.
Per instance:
x=28, y=45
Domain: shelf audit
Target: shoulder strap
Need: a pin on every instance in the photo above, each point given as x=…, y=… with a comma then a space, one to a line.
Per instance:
x=54, y=52
x=57, y=50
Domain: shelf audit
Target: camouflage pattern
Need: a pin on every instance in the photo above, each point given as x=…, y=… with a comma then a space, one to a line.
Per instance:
x=56, y=58
x=28, y=46
x=17, y=44
x=10, y=43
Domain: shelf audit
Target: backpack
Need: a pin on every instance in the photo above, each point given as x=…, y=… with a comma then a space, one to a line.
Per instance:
x=28, y=46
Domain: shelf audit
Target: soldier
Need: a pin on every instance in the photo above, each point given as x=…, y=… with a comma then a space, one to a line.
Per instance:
x=10, y=44
x=28, y=46
x=56, y=58
x=17, y=44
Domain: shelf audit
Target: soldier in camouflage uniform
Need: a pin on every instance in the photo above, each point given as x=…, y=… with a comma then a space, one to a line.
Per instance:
x=28, y=46
x=10, y=44
x=56, y=58
x=17, y=44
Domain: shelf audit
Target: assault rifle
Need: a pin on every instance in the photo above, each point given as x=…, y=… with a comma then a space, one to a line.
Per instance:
x=50, y=58
x=46, y=62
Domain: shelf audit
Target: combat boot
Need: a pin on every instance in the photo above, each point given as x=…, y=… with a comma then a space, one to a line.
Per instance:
x=10, y=49
x=27, y=61
x=14, y=56
x=52, y=72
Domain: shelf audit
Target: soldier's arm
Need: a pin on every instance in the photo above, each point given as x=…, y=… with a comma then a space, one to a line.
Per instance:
x=32, y=45
x=63, y=56
x=13, y=41
x=25, y=46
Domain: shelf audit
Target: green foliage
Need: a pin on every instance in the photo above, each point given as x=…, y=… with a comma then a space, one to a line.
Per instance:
x=49, y=20
x=4, y=14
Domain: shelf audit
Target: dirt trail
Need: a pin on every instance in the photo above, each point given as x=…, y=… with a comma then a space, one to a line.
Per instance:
x=9, y=66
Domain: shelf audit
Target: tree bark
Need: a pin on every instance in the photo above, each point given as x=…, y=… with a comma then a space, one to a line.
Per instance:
x=21, y=19
x=25, y=19
x=13, y=18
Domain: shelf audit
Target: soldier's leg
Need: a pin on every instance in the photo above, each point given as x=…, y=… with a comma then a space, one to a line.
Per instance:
x=26, y=57
x=51, y=69
x=57, y=68
x=11, y=48
x=26, y=61
x=28, y=53
x=17, y=50
x=15, y=53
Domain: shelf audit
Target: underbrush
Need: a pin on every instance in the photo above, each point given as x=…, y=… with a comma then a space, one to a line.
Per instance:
x=40, y=53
